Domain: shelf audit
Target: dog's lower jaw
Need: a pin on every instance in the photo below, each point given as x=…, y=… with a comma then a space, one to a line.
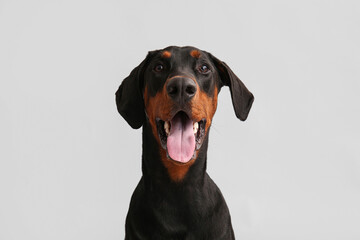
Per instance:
x=165, y=168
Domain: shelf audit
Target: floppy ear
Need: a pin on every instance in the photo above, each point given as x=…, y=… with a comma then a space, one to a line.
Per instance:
x=129, y=97
x=242, y=98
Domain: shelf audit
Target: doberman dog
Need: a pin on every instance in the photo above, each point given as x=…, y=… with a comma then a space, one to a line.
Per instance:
x=173, y=95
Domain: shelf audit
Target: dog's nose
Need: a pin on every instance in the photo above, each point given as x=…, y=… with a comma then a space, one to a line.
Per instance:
x=181, y=89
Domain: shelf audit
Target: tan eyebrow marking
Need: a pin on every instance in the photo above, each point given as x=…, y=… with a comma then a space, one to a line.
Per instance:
x=195, y=53
x=166, y=54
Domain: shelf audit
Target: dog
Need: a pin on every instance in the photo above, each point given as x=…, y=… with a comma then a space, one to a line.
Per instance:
x=173, y=95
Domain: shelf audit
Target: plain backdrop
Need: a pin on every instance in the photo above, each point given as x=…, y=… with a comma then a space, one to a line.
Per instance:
x=69, y=163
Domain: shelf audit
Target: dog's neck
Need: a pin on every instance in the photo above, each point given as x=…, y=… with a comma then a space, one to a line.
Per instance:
x=156, y=173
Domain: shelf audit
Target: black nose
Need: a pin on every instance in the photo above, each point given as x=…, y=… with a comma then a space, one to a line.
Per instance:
x=181, y=89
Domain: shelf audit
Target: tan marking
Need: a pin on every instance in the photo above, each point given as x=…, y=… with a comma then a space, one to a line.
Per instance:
x=195, y=53
x=166, y=54
x=203, y=106
x=157, y=106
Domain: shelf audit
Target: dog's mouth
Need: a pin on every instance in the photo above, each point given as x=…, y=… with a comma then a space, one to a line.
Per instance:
x=181, y=136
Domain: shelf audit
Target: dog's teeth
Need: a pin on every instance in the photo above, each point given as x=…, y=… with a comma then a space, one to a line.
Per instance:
x=196, y=127
x=167, y=127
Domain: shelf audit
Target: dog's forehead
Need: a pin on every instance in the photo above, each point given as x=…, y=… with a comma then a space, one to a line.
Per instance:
x=174, y=53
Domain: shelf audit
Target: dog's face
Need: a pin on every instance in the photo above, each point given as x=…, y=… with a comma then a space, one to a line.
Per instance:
x=180, y=97
x=175, y=90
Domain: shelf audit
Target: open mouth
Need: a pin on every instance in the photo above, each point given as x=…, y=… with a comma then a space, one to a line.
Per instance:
x=181, y=136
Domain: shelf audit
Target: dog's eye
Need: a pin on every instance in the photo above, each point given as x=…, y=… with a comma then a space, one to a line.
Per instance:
x=204, y=68
x=159, y=68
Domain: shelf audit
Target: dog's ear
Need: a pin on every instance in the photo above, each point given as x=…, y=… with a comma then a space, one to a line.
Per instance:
x=242, y=98
x=129, y=96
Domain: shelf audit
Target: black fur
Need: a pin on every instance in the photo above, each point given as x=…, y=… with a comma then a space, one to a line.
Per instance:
x=160, y=208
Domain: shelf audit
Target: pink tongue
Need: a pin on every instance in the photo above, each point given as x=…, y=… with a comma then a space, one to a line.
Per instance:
x=181, y=140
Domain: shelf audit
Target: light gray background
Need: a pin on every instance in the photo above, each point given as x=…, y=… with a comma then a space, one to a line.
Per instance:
x=69, y=163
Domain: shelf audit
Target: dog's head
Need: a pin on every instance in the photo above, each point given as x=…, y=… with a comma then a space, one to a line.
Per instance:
x=175, y=90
